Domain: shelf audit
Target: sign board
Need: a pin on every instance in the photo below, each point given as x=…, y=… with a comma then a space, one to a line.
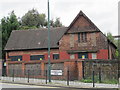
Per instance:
x=56, y=72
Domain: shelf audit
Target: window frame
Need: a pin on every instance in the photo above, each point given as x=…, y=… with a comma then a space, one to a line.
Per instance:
x=54, y=56
x=32, y=57
x=81, y=54
x=71, y=56
x=16, y=58
x=82, y=37
x=95, y=56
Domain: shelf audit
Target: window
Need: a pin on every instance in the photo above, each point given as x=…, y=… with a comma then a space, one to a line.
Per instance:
x=71, y=40
x=16, y=58
x=55, y=56
x=78, y=37
x=94, y=56
x=82, y=55
x=82, y=37
x=72, y=56
x=37, y=57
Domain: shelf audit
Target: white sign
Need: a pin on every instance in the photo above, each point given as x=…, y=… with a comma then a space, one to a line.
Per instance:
x=56, y=72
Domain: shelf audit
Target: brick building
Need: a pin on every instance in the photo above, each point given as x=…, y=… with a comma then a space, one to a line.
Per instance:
x=81, y=40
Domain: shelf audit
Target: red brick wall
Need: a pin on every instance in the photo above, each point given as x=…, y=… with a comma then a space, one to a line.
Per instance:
x=89, y=55
x=26, y=57
x=26, y=54
x=72, y=67
x=64, y=55
x=80, y=70
x=102, y=54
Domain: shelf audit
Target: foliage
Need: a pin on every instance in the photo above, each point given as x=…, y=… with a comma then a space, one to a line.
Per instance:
x=116, y=42
x=110, y=37
x=33, y=19
x=113, y=81
x=0, y=44
x=27, y=27
x=7, y=25
x=96, y=80
x=87, y=80
x=57, y=23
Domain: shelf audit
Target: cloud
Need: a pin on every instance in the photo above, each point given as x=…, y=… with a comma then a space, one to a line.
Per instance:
x=104, y=13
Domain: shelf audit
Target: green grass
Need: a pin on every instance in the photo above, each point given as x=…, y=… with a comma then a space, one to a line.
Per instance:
x=96, y=80
x=113, y=81
x=86, y=80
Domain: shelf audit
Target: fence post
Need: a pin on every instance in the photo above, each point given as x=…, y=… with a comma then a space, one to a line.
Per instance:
x=28, y=76
x=99, y=75
x=13, y=75
x=68, y=77
x=93, y=78
x=46, y=75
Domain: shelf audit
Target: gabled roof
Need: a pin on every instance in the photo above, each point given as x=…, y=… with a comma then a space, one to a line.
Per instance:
x=34, y=39
x=91, y=28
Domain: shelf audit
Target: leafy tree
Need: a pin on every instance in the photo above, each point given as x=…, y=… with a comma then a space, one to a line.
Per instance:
x=0, y=42
x=110, y=37
x=57, y=23
x=116, y=42
x=27, y=27
x=7, y=25
x=33, y=19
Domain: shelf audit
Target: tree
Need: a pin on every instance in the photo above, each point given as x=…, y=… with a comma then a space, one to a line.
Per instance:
x=116, y=42
x=33, y=19
x=0, y=42
x=110, y=37
x=57, y=23
x=7, y=25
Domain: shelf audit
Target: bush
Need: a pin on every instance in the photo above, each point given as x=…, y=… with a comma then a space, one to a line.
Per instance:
x=86, y=80
x=110, y=81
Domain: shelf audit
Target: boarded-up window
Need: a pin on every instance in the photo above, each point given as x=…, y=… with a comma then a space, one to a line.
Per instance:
x=93, y=39
x=71, y=40
x=94, y=56
x=32, y=69
x=78, y=37
x=56, y=66
x=15, y=69
x=82, y=37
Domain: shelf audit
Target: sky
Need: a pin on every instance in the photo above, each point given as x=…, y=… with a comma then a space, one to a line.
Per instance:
x=103, y=13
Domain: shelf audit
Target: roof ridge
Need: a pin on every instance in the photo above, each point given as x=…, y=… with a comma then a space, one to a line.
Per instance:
x=53, y=28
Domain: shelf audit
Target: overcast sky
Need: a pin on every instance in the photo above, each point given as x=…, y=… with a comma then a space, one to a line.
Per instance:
x=104, y=13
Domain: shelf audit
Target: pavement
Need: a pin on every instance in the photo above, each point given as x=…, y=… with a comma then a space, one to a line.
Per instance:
x=11, y=86
x=56, y=83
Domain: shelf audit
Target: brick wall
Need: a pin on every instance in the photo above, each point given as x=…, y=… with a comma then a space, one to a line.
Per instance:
x=26, y=54
x=40, y=67
x=102, y=54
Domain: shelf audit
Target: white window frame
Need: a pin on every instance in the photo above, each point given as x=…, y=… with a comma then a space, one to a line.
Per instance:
x=94, y=55
x=72, y=56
